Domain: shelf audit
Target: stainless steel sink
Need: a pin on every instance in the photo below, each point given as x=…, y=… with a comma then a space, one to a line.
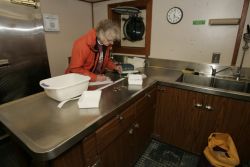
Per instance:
x=221, y=83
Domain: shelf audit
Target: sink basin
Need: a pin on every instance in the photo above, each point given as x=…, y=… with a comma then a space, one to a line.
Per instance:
x=240, y=86
x=221, y=83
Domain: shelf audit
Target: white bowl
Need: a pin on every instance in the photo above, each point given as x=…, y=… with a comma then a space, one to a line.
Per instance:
x=66, y=86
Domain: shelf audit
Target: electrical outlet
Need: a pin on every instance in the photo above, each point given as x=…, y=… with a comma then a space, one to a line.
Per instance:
x=216, y=57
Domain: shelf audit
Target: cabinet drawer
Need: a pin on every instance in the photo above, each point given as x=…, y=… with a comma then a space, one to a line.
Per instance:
x=146, y=103
x=111, y=130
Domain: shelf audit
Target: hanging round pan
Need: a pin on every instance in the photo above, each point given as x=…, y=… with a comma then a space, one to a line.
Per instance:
x=134, y=28
x=126, y=10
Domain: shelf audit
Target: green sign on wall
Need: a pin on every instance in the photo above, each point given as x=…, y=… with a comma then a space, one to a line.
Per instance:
x=199, y=22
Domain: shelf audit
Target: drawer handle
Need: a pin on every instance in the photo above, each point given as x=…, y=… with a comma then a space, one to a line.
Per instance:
x=209, y=108
x=136, y=125
x=4, y=136
x=96, y=164
x=198, y=105
x=148, y=95
x=131, y=131
x=4, y=62
x=120, y=117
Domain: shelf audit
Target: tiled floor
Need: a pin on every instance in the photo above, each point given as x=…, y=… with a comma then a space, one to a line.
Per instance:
x=162, y=155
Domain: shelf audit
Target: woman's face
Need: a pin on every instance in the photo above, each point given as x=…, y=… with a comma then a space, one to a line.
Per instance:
x=107, y=38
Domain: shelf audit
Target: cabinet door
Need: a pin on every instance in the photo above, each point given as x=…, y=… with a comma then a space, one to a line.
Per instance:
x=121, y=152
x=181, y=119
x=108, y=133
x=89, y=150
x=114, y=128
x=149, y=100
x=145, y=110
x=73, y=158
x=143, y=130
x=206, y=119
x=116, y=140
x=234, y=119
x=83, y=154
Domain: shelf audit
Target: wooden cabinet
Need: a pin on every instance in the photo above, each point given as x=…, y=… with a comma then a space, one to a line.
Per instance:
x=83, y=154
x=72, y=157
x=145, y=111
x=120, y=152
x=181, y=119
x=186, y=118
x=114, y=128
x=118, y=143
x=121, y=140
x=234, y=118
x=114, y=140
x=89, y=151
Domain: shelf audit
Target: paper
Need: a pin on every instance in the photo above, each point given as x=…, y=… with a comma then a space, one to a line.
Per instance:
x=137, y=62
x=51, y=22
x=107, y=81
x=90, y=99
x=134, y=87
x=135, y=79
x=90, y=112
x=130, y=72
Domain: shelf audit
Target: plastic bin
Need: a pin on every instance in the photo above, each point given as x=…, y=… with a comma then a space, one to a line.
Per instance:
x=66, y=86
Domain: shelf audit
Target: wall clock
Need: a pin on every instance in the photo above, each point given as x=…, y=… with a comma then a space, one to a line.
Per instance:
x=174, y=15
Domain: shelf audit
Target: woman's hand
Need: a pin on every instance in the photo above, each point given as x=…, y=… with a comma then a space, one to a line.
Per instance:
x=101, y=78
x=118, y=68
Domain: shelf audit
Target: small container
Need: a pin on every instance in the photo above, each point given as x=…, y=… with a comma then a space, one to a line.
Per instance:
x=66, y=86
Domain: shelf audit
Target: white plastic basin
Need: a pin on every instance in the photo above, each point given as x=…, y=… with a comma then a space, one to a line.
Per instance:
x=66, y=86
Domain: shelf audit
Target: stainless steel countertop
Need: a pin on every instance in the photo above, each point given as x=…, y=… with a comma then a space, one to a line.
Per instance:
x=159, y=74
x=46, y=131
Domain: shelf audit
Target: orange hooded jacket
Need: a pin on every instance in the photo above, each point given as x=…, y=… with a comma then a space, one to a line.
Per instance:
x=84, y=57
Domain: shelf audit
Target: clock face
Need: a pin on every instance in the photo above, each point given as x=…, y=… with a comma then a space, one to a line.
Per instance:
x=174, y=15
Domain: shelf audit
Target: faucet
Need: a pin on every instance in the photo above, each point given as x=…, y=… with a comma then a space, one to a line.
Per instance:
x=246, y=38
x=214, y=70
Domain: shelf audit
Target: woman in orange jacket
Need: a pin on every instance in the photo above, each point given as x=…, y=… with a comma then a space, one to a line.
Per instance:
x=91, y=52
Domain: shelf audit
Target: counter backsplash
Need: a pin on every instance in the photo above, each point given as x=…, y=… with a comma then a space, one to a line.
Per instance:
x=197, y=67
x=203, y=68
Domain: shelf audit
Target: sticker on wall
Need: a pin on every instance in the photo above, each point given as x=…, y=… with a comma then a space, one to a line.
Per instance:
x=51, y=22
x=199, y=22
